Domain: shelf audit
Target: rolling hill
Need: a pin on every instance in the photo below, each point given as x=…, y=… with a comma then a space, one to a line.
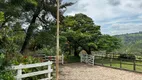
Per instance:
x=131, y=43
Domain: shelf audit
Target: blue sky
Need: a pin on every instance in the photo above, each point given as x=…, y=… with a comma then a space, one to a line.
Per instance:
x=114, y=16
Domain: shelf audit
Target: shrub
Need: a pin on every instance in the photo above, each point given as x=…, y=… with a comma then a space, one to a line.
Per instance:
x=6, y=61
x=24, y=59
x=127, y=56
x=73, y=59
x=47, y=51
x=5, y=72
x=139, y=57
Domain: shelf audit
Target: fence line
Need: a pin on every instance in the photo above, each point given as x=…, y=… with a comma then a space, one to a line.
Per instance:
x=105, y=61
x=19, y=68
x=53, y=58
x=121, y=62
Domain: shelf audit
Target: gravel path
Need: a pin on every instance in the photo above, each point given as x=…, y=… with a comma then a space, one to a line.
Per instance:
x=80, y=71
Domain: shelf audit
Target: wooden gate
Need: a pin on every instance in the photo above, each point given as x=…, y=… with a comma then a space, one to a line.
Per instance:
x=89, y=59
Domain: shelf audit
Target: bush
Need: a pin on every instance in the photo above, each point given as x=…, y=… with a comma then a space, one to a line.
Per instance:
x=7, y=61
x=73, y=59
x=5, y=72
x=139, y=57
x=25, y=59
x=47, y=51
x=127, y=56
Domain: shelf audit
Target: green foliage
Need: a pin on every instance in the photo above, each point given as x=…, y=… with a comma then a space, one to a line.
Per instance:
x=131, y=43
x=1, y=17
x=127, y=56
x=20, y=59
x=6, y=60
x=72, y=59
x=47, y=51
x=80, y=31
x=5, y=72
x=10, y=39
x=129, y=39
x=7, y=75
x=26, y=59
x=108, y=43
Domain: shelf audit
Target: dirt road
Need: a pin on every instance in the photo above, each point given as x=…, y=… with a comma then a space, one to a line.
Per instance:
x=81, y=71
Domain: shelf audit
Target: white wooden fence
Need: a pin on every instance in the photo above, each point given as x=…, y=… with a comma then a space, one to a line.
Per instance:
x=89, y=59
x=53, y=58
x=19, y=68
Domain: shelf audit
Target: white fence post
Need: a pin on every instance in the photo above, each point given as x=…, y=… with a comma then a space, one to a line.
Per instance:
x=62, y=59
x=93, y=60
x=86, y=56
x=19, y=73
x=49, y=74
x=81, y=57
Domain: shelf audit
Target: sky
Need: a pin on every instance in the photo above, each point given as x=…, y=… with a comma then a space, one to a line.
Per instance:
x=114, y=16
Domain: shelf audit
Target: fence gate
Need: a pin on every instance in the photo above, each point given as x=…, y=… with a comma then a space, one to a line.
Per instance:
x=89, y=59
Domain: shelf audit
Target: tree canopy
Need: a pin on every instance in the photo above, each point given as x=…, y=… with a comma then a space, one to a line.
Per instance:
x=83, y=34
x=35, y=21
x=35, y=13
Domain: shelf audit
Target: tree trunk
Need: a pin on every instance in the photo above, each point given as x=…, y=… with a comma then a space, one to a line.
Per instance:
x=29, y=31
x=88, y=50
x=75, y=51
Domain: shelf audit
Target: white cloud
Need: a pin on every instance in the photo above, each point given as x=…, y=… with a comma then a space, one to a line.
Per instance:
x=108, y=13
x=118, y=28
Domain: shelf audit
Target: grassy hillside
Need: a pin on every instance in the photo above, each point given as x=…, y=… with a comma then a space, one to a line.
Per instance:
x=131, y=43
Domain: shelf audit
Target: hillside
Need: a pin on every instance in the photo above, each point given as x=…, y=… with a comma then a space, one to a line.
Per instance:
x=131, y=43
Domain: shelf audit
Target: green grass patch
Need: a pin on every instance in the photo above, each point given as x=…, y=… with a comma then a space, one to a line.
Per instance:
x=116, y=63
x=128, y=65
x=139, y=68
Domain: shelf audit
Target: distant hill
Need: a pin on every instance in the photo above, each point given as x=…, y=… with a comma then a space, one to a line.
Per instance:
x=132, y=42
x=131, y=38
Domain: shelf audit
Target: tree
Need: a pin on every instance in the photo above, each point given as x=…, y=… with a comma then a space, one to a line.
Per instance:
x=47, y=9
x=10, y=11
x=45, y=37
x=108, y=43
x=81, y=32
x=35, y=13
x=11, y=39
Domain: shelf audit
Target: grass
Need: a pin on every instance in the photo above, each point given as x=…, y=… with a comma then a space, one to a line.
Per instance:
x=73, y=59
x=128, y=65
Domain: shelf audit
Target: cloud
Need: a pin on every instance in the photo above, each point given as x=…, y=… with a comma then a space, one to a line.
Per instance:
x=124, y=28
x=122, y=25
x=111, y=13
x=114, y=2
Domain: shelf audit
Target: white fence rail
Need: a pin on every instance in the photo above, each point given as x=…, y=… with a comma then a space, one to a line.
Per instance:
x=53, y=58
x=89, y=59
x=19, y=68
